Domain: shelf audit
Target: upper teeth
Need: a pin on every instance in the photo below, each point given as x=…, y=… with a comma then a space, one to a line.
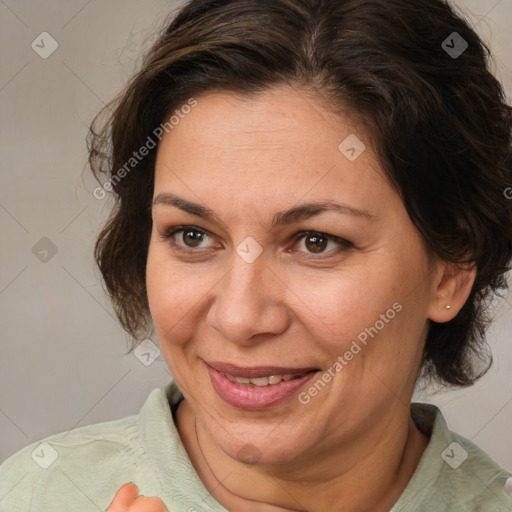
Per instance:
x=262, y=381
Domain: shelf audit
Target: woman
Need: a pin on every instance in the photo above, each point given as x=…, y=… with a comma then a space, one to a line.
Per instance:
x=312, y=212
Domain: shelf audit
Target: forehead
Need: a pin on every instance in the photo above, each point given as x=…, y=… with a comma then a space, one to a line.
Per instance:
x=282, y=140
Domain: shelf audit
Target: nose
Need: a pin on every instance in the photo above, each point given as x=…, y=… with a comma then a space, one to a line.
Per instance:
x=249, y=302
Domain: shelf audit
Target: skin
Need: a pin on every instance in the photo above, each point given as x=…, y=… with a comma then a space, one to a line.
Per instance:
x=127, y=500
x=353, y=447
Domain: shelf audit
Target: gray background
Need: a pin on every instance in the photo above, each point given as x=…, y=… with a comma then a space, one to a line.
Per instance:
x=63, y=362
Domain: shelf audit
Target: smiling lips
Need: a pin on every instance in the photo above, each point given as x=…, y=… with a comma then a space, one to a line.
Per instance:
x=259, y=375
x=256, y=387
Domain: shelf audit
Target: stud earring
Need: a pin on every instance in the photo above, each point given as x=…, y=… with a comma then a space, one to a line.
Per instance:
x=448, y=306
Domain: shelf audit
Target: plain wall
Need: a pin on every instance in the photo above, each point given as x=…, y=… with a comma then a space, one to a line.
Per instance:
x=63, y=362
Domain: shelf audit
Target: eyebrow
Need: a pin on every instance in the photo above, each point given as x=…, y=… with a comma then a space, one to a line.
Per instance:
x=282, y=218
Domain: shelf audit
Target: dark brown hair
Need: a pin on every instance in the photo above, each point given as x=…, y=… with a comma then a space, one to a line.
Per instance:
x=438, y=122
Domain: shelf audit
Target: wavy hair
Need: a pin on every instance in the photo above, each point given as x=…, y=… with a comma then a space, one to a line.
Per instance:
x=438, y=122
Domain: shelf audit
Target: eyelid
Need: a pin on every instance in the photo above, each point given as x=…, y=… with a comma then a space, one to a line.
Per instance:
x=345, y=244
x=169, y=233
x=333, y=238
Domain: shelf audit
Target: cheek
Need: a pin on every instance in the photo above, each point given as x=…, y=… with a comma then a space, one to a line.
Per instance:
x=339, y=308
x=370, y=319
x=172, y=295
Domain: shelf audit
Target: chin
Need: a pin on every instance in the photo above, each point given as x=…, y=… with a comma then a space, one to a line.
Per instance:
x=258, y=447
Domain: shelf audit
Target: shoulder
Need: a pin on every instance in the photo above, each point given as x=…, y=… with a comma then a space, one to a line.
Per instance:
x=476, y=481
x=75, y=463
x=454, y=474
x=82, y=469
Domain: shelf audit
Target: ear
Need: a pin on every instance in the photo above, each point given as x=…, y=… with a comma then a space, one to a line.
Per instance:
x=452, y=288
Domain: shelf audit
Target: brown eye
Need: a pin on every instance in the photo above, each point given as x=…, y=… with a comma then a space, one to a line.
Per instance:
x=316, y=243
x=192, y=238
x=186, y=238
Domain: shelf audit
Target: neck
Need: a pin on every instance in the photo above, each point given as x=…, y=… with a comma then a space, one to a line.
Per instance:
x=369, y=472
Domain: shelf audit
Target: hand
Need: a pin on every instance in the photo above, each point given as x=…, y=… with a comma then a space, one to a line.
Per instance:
x=127, y=500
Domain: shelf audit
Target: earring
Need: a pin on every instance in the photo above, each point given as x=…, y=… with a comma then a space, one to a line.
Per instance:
x=448, y=306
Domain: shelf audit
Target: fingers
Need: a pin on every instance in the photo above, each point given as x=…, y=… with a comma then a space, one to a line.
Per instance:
x=147, y=505
x=125, y=496
x=127, y=500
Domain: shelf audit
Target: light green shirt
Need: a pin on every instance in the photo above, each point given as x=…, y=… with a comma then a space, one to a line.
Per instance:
x=82, y=469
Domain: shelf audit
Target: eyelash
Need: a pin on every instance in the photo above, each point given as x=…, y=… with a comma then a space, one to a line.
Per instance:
x=168, y=234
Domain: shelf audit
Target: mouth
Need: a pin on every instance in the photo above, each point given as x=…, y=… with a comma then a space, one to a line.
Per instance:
x=258, y=371
x=260, y=387
x=261, y=382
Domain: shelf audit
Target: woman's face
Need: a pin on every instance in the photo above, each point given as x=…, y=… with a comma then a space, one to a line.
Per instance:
x=345, y=290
